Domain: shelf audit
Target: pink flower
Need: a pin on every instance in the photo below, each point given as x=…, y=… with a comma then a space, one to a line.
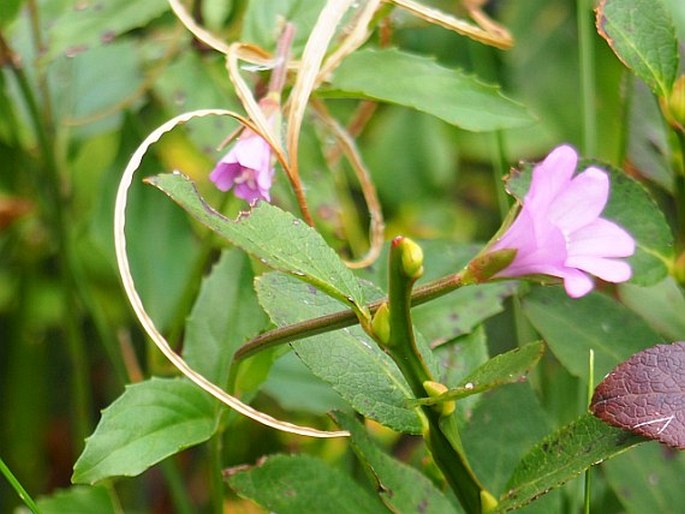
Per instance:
x=559, y=231
x=246, y=168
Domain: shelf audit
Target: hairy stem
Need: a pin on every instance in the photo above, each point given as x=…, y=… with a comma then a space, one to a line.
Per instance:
x=341, y=319
x=402, y=347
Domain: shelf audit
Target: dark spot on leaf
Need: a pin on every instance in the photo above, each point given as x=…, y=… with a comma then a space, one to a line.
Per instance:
x=180, y=97
x=423, y=506
x=107, y=37
x=646, y=395
x=73, y=51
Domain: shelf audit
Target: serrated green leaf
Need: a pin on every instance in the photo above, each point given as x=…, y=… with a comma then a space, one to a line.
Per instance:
x=96, y=23
x=280, y=240
x=661, y=305
x=225, y=315
x=150, y=421
x=631, y=206
x=296, y=388
x=421, y=83
x=562, y=456
x=294, y=484
x=401, y=487
x=459, y=312
x=642, y=35
x=78, y=500
x=571, y=328
x=503, y=427
x=347, y=359
x=647, y=150
x=505, y=368
x=160, y=275
x=648, y=478
x=458, y=358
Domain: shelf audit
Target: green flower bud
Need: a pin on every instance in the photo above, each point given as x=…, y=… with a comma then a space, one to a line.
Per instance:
x=434, y=389
x=679, y=268
x=673, y=106
x=412, y=256
x=381, y=324
x=488, y=502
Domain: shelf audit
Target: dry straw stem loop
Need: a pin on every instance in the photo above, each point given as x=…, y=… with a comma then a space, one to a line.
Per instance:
x=196, y=30
x=355, y=38
x=312, y=57
x=238, y=51
x=489, y=33
x=346, y=143
x=137, y=304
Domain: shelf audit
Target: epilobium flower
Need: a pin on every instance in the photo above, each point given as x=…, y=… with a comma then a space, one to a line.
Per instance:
x=559, y=231
x=246, y=168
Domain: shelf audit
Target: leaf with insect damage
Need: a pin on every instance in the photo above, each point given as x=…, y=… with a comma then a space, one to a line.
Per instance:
x=646, y=395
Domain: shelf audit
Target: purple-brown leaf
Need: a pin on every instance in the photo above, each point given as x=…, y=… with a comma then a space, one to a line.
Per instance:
x=646, y=395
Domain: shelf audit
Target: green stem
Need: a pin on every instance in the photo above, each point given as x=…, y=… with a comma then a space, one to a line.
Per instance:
x=590, y=392
x=49, y=187
x=402, y=347
x=16, y=485
x=216, y=477
x=587, y=76
x=177, y=489
x=341, y=319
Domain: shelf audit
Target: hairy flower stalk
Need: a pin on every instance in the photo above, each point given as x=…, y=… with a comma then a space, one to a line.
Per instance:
x=559, y=231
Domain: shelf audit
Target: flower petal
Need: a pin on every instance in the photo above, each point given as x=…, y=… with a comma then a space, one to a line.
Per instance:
x=601, y=238
x=253, y=152
x=577, y=283
x=224, y=174
x=551, y=177
x=611, y=270
x=247, y=193
x=582, y=201
x=540, y=247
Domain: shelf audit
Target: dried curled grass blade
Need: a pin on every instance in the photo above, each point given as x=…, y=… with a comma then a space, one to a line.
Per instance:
x=345, y=142
x=238, y=51
x=137, y=304
x=487, y=23
x=196, y=30
x=312, y=57
x=356, y=37
x=499, y=39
